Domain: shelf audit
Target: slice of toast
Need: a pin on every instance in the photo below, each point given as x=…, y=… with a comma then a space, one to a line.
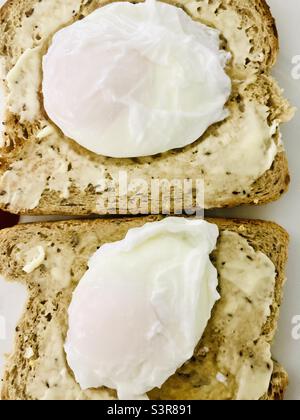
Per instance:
x=43, y=172
x=37, y=368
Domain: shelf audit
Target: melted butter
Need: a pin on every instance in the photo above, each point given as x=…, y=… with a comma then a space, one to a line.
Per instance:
x=46, y=256
x=247, y=281
x=243, y=143
x=54, y=381
x=34, y=259
x=228, y=22
x=37, y=27
x=245, y=146
x=23, y=83
x=243, y=355
x=50, y=167
x=2, y=99
x=46, y=17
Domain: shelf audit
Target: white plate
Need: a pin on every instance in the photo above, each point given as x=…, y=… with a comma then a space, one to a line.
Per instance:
x=286, y=212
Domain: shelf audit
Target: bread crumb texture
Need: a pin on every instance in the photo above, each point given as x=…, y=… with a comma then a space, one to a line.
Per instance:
x=240, y=160
x=234, y=347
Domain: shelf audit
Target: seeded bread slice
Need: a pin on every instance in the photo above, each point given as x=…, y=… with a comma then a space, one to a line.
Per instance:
x=37, y=368
x=43, y=172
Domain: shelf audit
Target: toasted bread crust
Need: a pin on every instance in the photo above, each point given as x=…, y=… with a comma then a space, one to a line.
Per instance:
x=269, y=187
x=266, y=237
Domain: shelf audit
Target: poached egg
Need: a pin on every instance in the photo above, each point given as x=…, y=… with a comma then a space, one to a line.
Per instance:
x=141, y=308
x=133, y=80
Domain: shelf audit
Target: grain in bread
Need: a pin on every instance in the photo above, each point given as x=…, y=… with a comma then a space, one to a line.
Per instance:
x=42, y=330
x=230, y=158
